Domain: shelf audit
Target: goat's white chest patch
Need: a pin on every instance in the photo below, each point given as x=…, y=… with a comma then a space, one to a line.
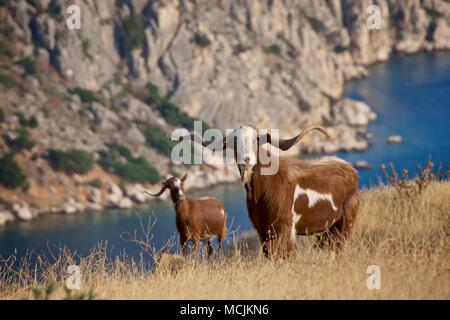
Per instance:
x=313, y=197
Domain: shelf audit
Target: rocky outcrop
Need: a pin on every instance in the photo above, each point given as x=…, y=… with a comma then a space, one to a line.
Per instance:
x=353, y=113
x=94, y=195
x=6, y=217
x=24, y=211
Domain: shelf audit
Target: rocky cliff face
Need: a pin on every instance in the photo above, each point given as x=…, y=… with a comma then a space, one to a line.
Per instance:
x=274, y=64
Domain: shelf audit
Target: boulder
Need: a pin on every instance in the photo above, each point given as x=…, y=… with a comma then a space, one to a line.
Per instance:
x=114, y=196
x=72, y=206
x=24, y=212
x=363, y=165
x=114, y=189
x=353, y=113
x=94, y=206
x=6, y=217
x=395, y=139
x=125, y=203
x=136, y=193
x=94, y=195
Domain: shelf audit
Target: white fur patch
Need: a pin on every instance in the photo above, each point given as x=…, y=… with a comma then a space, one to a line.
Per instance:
x=245, y=145
x=295, y=217
x=177, y=183
x=314, y=197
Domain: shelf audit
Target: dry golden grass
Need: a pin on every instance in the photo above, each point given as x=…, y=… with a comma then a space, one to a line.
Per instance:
x=408, y=240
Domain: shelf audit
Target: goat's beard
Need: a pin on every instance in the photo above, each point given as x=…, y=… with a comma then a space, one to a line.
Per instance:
x=246, y=173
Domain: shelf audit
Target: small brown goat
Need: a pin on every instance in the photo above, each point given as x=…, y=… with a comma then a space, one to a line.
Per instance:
x=196, y=219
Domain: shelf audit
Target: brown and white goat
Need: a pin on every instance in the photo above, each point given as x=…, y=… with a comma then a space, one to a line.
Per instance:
x=300, y=198
x=196, y=219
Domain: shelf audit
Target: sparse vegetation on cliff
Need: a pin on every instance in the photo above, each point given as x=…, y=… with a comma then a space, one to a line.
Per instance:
x=201, y=40
x=157, y=139
x=23, y=141
x=11, y=174
x=72, y=161
x=133, y=31
x=168, y=109
x=119, y=160
x=85, y=95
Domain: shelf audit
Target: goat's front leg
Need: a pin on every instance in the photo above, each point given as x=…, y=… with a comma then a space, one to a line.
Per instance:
x=276, y=244
x=184, y=245
x=209, y=247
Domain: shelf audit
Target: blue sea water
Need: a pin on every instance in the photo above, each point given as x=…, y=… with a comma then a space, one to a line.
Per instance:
x=410, y=94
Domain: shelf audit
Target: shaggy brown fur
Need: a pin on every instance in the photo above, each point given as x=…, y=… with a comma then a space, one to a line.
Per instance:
x=270, y=202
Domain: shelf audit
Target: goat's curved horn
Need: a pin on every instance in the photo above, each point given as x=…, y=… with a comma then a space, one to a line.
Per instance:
x=194, y=136
x=156, y=194
x=184, y=177
x=286, y=144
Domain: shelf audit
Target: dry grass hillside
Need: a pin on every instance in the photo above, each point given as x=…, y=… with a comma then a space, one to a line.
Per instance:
x=407, y=238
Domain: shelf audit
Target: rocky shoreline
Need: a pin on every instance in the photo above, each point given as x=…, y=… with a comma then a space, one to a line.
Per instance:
x=115, y=197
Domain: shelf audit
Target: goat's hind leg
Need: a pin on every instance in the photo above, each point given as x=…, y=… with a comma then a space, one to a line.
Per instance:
x=209, y=248
x=184, y=245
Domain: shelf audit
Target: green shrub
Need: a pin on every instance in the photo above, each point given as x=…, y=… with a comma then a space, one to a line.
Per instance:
x=201, y=40
x=86, y=96
x=11, y=175
x=86, y=45
x=22, y=120
x=169, y=110
x=23, y=141
x=273, y=49
x=72, y=161
x=153, y=94
x=54, y=10
x=96, y=183
x=28, y=66
x=2, y=115
x=119, y=160
x=5, y=51
x=158, y=140
x=7, y=81
x=31, y=122
x=173, y=115
x=432, y=13
x=134, y=31
x=137, y=170
x=118, y=150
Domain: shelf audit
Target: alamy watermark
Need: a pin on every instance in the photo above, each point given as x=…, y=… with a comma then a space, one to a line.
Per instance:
x=73, y=281
x=374, y=19
x=73, y=20
x=374, y=280
x=236, y=146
